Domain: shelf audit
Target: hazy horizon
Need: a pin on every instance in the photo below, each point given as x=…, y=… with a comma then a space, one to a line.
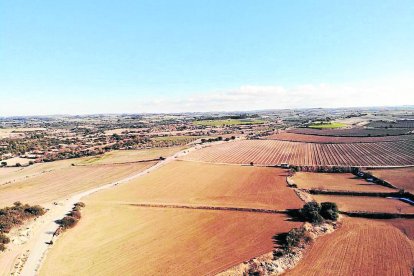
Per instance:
x=103, y=57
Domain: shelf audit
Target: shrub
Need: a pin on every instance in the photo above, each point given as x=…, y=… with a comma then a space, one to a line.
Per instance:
x=4, y=239
x=80, y=204
x=75, y=214
x=35, y=210
x=311, y=212
x=329, y=210
x=68, y=222
x=2, y=247
x=294, y=238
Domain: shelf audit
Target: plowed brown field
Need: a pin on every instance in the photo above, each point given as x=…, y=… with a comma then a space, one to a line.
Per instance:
x=404, y=225
x=360, y=247
x=115, y=239
x=367, y=204
x=209, y=184
x=296, y=137
x=401, y=178
x=127, y=239
x=271, y=152
x=337, y=182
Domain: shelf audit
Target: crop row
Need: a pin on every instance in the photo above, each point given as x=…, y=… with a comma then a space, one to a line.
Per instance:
x=296, y=137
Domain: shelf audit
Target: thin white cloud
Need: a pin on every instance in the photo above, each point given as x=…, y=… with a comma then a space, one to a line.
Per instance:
x=398, y=91
x=384, y=92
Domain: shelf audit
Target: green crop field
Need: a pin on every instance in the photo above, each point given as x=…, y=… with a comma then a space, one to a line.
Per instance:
x=229, y=122
x=327, y=125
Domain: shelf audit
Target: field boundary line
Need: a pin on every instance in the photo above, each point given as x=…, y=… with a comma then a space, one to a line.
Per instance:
x=204, y=207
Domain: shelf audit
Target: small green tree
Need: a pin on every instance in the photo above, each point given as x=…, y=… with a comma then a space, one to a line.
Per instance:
x=311, y=212
x=329, y=210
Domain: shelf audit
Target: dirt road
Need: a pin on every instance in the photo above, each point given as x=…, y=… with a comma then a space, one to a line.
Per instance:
x=26, y=258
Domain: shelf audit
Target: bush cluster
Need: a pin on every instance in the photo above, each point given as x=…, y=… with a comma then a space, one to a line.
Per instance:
x=316, y=213
x=16, y=215
x=72, y=217
x=296, y=237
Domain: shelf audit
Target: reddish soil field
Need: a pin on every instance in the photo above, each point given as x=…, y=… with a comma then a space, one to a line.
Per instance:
x=402, y=178
x=404, y=225
x=115, y=239
x=295, y=137
x=352, y=132
x=272, y=152
x=209, y=184
x=367, y=204
x=337, y=182
x=359, y=247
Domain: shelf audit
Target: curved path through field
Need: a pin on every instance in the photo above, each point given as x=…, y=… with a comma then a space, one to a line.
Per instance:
x=29, y=261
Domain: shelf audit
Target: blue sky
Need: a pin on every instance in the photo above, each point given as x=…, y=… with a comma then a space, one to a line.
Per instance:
x=169, y=56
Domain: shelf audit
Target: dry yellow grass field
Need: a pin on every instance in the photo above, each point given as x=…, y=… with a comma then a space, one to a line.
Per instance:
x=182, y=182
x=368, y=204
x=17, y=174
x=60, y=183
x=125, y=156
x=115, y=239
x=359, y=247
x=337, y=182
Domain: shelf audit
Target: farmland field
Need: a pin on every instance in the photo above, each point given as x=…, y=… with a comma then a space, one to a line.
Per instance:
x=402, y=178
x=208, y=184
x=392, y=124
x=14, y=174
x=367, y=204
x=359, y=247
x=125, y=156
x=406, y=226
x=352, y=132
x=127, y=240
x=337, y=182
x=60, y=183
x=271, y=152
x=191, y=242
x=295, y=137
x=327, y=125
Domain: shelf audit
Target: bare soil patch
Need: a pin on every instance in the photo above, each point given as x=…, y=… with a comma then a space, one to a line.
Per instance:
x=402, y=178
x=337, y=182
x=367, y=204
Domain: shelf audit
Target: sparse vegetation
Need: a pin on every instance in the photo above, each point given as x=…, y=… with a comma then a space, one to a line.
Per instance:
x=72, y=217
x=16, y=215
